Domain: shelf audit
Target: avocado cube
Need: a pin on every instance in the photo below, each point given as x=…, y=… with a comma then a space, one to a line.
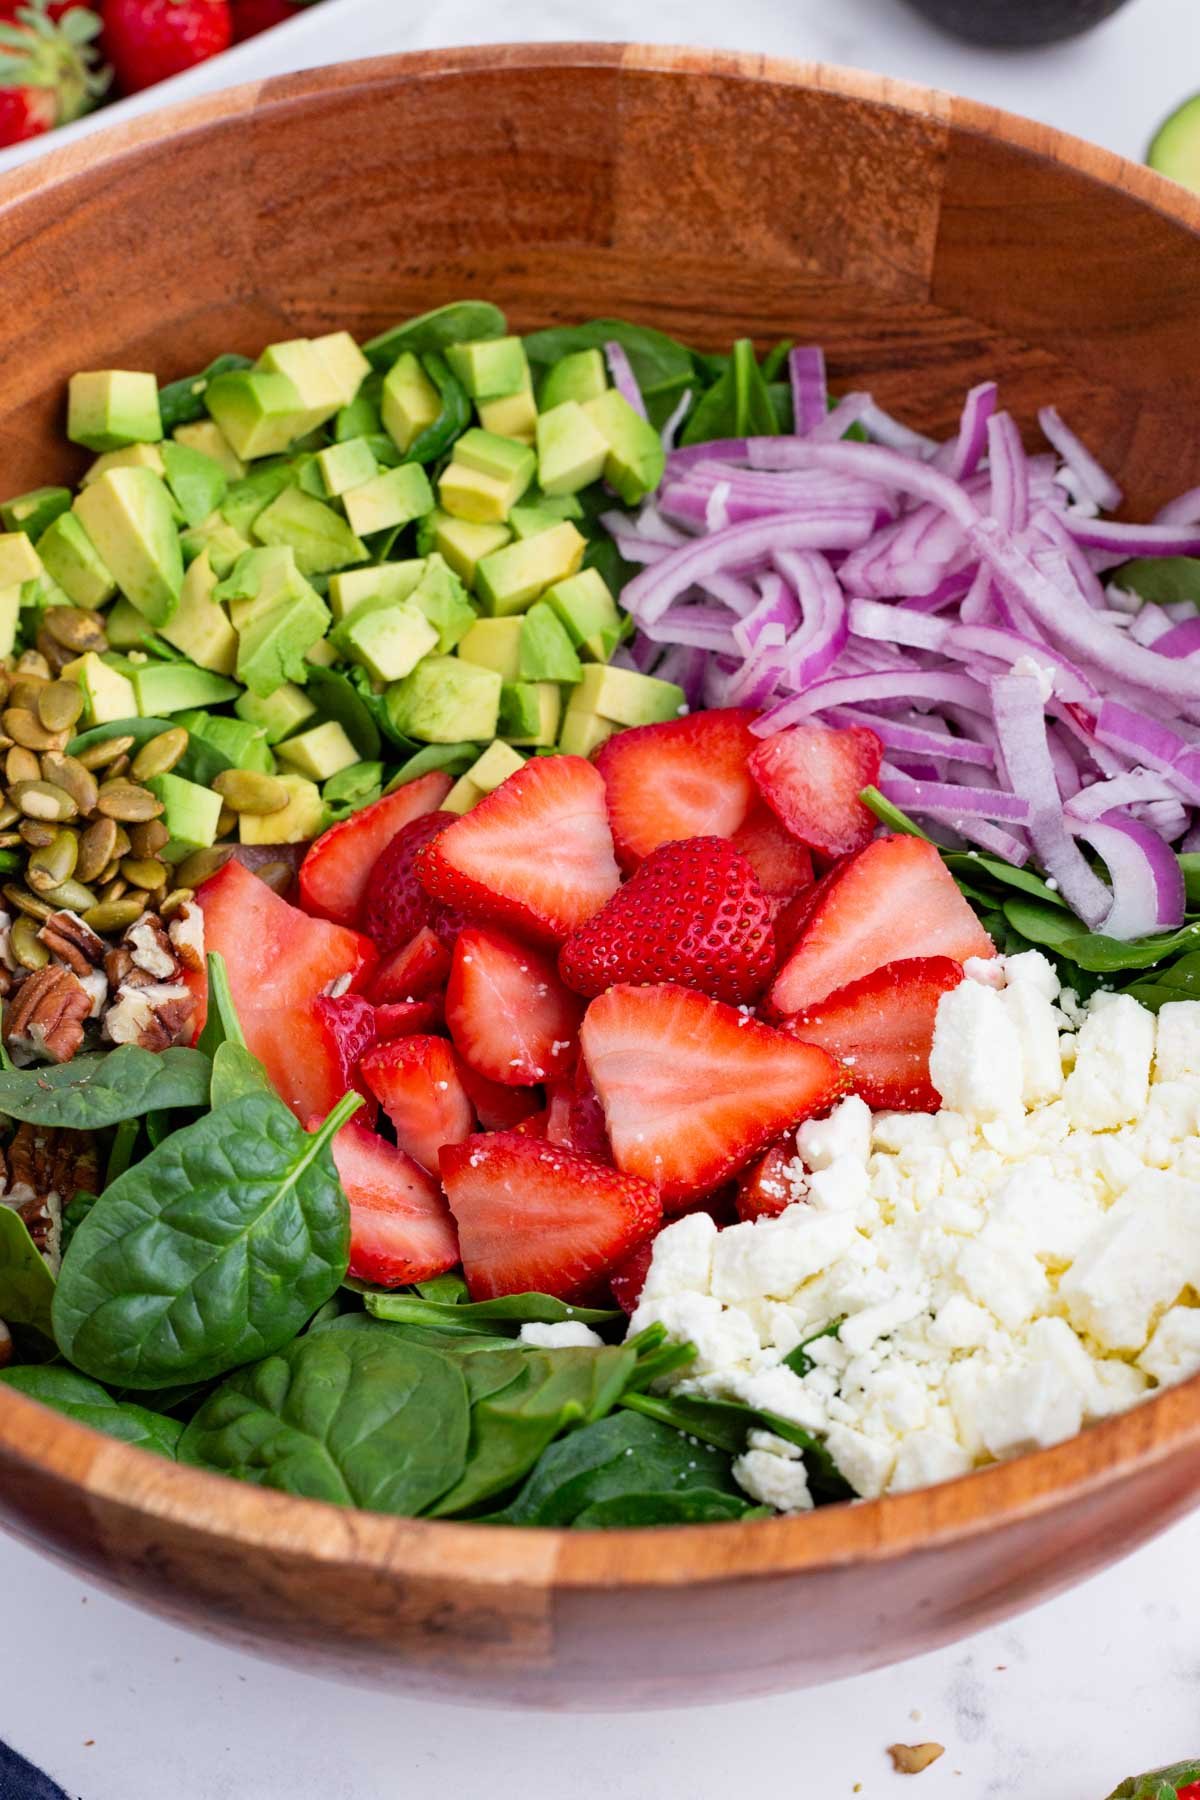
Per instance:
x=127, y=514
x=627, y=697
x=126, y=628
x=321, y=654
x=383, y=581
x=445, y=701
x=71, y=559
x=286, y=617
x=107, y=693
x=320, y=537
x=305, y=816
x=495, y=766
x=410, y=403
x=345, y=362
x=257, y=412
x=135, y=456
x=254, y=492
x=243, y=745
x=201, y=627
x=321, y=393
x=34, y=512
x=279, y=713
x=480, y=499
x=10, y=614
x=636, y=458
x=499, y=457
x=19, y=561
x=583, y=731
x=490, y=367
x=462, y=543
x=537, y=515
x=190, y=814
x=589, y=613
x=511, y=416
x=162, y=688
x=440, y=595
x=109, y=408
x=546, y=652
x=346, y=465
x=494, y=644
x=571, y=449
x=394, y=498
x=462, y=796
x=509, y=579
x=320, y=752
x=207, y=437
x=198, y=482
x=389, y=641
x=580, y=376
x=530, y=712
x=223, y=543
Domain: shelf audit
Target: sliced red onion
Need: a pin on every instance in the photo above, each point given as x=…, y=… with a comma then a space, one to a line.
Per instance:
x=1133, y=540
x=960, y=457
x=996, y=841
x=1119, y=790
x=1010, y=473
x=1152, y=745
x=896, y=734
x=696, y=627
x=733, y=551
x=893, y=625
x=709, y=504
x=1012, y=647
x=1147, y=881
x=675, y=420
x=952, y=801
x=1179, y=640
x=737, y=595
x=850, y=410
x=890, y=432
x=852, y=690
x=1093, y=481
x=1169, y=818
x=623, y=377
x=806, y=369
x=815, y=646
x=1048, y=525
x=1147, y=625
x=1183, y=510
x=686, y=668
x=773, y=620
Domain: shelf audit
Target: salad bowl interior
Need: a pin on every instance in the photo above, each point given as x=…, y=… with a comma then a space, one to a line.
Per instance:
x=927, y=243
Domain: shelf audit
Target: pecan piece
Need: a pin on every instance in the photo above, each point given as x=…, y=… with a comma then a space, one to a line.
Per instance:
x=49, y=1166
x=67, y=937
x=153, y=1014
x=44, y=1022
x=186, y=932
x=150, y=948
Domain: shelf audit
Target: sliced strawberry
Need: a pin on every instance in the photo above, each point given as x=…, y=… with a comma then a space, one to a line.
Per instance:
x=764, y=1190
x=196, y=983
x=588, y=1132
x=395, y=905
x=812, y=777
x=419, y=968
x=534, y=1124
x=559, y=1097
x=894, y=899
x=417, y=1081
x=692, y=1089
x=629, y=1278
x=509, y=1014
x=534, y=1217
x=687, y=778
x=349, y=1023
x=405, y=1018
x=498, y=1106
x=279, y=960
x=400, y=1226
x=784, y=866
x=535, y=855
x=692, y=913
x=881, y=1027
x=336, y=870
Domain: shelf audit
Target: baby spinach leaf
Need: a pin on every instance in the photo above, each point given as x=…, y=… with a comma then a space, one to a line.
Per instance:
x=798, y=1360
x=449, y=1289
x=737, y=405
x=511, y=1310
x=201, y=762
x=1163, y=579
x=1178, y=981
x=105, y=1088
x=337, y=698
x=454, y=1341
x=454, y=758
x=222, y=1026
x=1189, y=863
x=973, y=866
x=354, y=1418
x=453, y=419
x=688, y=1506
x=459, y=322
x=726, y=1425
x=182, y=402
x=662, y=366
x=213, y=1251
x=26, y=1284
x=236, y=1072
x=1159, y=1784
x=1048, y=926
x=90, y=1404
x=1107, y=956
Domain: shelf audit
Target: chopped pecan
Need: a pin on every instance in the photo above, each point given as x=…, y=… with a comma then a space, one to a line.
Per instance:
x=154, y=1015
x=43, y=1221
x=67, y=937
x=48, y=1168
x=150, y=948
x=186, y=932
x=44, y=1022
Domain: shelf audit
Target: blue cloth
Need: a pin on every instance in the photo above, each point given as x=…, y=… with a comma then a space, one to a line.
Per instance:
x=19, y=1780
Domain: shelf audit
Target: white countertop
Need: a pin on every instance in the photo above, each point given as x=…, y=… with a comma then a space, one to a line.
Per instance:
x=1059, y=1705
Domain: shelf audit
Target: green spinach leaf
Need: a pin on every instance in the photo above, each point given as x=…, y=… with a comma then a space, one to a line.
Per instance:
x=459, y=322
x=337, y=698
x=222, y=1026
x=105, y=1088
x=687, y=1506
x=451, y=422
x=201, y=762
x=737, y=405
x=798, y=1360
x=1050, y=927
x=511, y=1311
x=973, y=866
x=235, y=1073
x=182, y=402
x=726, y=1424
x=449, y=1289
x=1102, y=955
x=26, y=1284
x=455, y=759
x=90, y=1404
x=1164, y=579
x=890, y=815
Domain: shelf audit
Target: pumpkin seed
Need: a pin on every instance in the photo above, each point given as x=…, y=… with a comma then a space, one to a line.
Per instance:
x=144, y=872
x=43, y=800
x=60, y=704
x=21, y=765
x=277, y=875
x=55, y=863
x=10, y=840
x=202, y=863
x=27, y=947
x=72, y=895
x=98, y=756
x=69, y=773
x=125, y=801
x=25, y=902
x=24, y=727
x=116, y=889
x=226, y=821
x=159, y=754
x=170, y=904
x=148, y=839
x=97, y=848
x=33, y=663
x=75, y=628
x=248, y=791
x=8, y=815
x=114, y=915
x=37, y=833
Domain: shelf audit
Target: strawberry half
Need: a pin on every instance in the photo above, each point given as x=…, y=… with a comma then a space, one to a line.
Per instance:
x=692, y=1089
x=692, y=913
x=535, y=855
x=279, y=960
x=881, y=1027
x=400, y=1226
x=498, y=1107
x=688, y=778
x=534, y=1217
x=895, y=899
x=629, y=1278
x=350, y=1026
x=784, y=867
x=395, y=905
x=811, y=778
x=417, y=1081
x=509, y=1014
x=414, y=972
x=406, y=1018
x=336, y=870
x=764, y=1190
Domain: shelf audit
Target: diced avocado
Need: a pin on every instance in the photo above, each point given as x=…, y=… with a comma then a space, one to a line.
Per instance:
x=320, y=752
x=583, y=731
x=34, y=512
x=207, y=437
x=127, y=514
x=500, y=457
x=286, y=616
x=636, y=458
x=223, y=542
x=388, y=641
x=279, y=714
x=530, y=712
x=497, y=763
x=571, y=449
x=491, y=367
x=320, y=537
x=135, y=456
x=546, y=652
x=321, y=654
x=445, y=701
x=321, y=393
x=462, y=796
x=126, y=628
x=512, y=416
x=463, y=543
x=486, y=477
x=627, y=697
x=241, y=743
x=162, y=688
x=345, y=362
x=254, y=492
x=107, y=693
x=440, y=595
x=383, y=581
x=72, y=559
x=108, y=408
x=305, y=816
x=10, y=614
x=509, y=579
x=201, y=627
x=198, y=482
x=259, y=413
x=394, y=498
x=410, y=402
x=589, y=613
x=346, y=465
x=494, y=644
x=580, y=376
x=19, y=561
x=537, y=515
x=190, y=814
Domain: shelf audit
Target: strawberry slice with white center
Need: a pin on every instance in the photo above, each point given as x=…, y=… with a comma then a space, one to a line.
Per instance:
x=498, y=1107
x=416, y=1080
x=400, y=1226
x=335, y=872
x=414, y=972
x=895, y=899
x=509, y=1014
x=535, y=855
x=692, y=1089
x=532, y=1216
x=784, y=866
x=811, y=778
x=881, y=1027
x=687, y=778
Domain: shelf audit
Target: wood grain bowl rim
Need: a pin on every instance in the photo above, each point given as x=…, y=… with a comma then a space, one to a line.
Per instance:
x=117, y=1478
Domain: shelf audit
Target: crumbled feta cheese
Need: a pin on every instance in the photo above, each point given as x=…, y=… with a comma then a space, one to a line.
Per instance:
x=926, y=1457
x=1173, y=1353
x=772, y=1481
x=1110, y=1082
x=570, y=1334
x=975, y=1062
x=1137, y=1261
x=845, y=1133
x=682, y=1262
x=1177, y=1051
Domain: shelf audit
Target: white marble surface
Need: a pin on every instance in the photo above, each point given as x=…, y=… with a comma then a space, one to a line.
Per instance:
x=1057, y=1706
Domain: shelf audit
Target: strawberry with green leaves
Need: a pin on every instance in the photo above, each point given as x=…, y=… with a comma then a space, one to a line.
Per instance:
x=48, y=68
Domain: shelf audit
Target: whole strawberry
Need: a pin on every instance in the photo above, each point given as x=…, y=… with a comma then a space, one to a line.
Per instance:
x=48, y=73
x=149, y=40
x=252, y=16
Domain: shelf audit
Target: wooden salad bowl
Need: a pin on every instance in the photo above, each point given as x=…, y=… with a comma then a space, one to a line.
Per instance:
x=927, y=242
